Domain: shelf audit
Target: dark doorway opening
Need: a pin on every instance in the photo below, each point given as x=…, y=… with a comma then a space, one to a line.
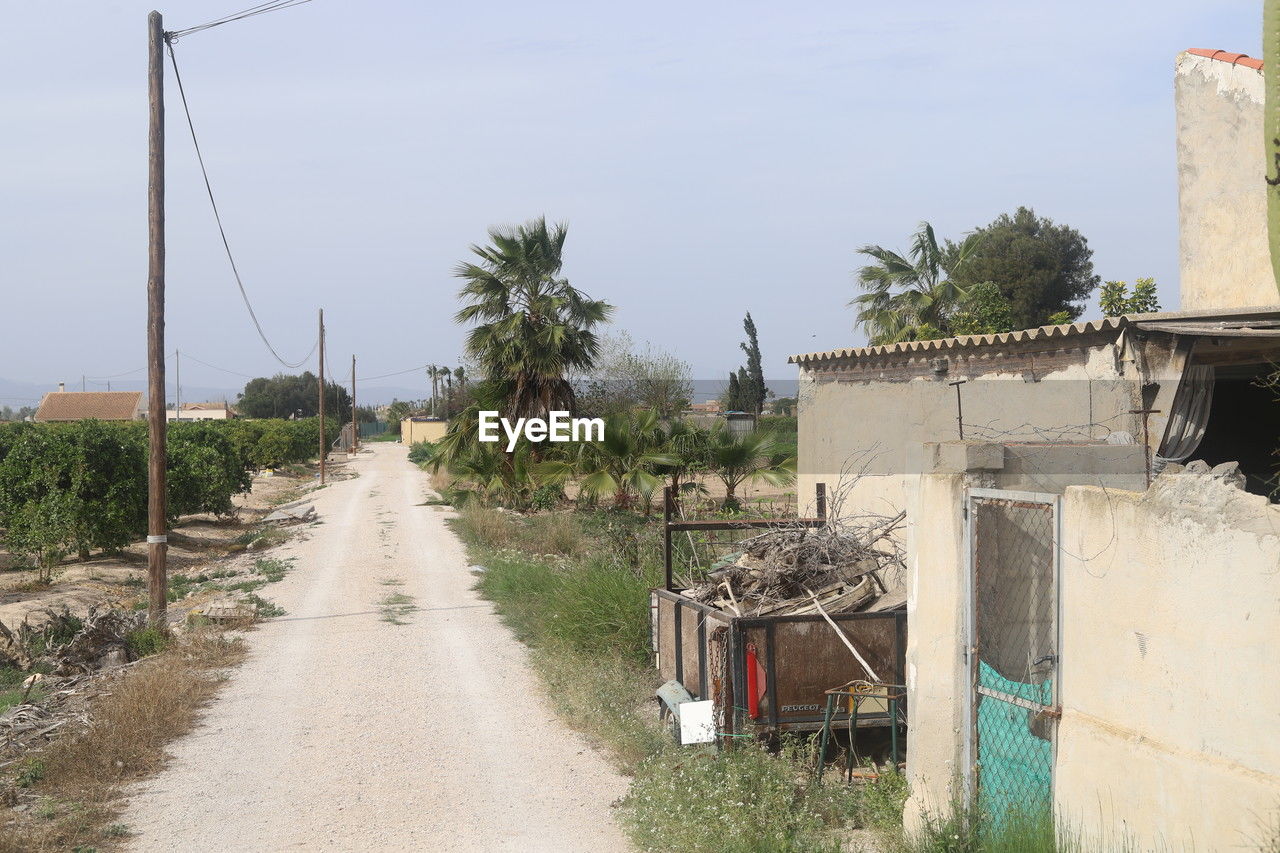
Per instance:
x=1244, y=425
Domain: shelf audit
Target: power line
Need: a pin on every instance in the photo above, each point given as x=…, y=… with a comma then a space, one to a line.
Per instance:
x=218, y=218
x=252, y=11
x=397, y=373
x=234, y=373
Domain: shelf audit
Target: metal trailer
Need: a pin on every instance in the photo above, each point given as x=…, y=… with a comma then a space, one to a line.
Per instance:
x=768, y=674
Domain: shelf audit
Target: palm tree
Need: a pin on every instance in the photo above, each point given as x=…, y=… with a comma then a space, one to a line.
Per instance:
x=687, y=444
x=912, y=297
x=621, y=465
x=532, y=326
x=754, y=456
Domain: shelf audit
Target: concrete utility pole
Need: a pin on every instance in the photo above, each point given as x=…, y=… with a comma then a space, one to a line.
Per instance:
x=355, y=424
x=323, y=447
x=157, y=526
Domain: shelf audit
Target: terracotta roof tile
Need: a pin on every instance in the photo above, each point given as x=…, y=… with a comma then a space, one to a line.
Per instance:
x=77, y=405
x=1227, y=56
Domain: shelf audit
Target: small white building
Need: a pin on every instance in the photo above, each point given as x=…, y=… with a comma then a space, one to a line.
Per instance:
x=202, y=412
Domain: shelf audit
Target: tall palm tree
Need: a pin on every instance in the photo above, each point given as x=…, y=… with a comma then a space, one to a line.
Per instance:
x=532, y=327
x=911, y=297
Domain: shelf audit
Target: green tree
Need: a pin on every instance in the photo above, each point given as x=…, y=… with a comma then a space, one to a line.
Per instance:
x=984, y=311
x=1116, y=301
x=755, y=392
x=286, y=396
x=911, y=297
x=731, y=399
x=205, y=469
x=686, y=447
x=66, y=488
x=736, y=459
x=784, y=406
x=622, y=465
x=1042, y=268
x=532, y=327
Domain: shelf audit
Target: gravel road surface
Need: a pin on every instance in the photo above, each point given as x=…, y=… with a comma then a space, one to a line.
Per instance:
x=345, y=731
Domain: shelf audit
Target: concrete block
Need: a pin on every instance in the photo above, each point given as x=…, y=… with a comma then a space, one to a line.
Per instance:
x=957, y=457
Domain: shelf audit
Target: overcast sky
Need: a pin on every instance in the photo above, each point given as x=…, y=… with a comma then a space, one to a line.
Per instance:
x=709, y=158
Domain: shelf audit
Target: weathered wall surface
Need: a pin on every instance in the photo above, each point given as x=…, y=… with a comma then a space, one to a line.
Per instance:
x=1225, y=260
x=1170, y=676
x=1169, y=680
x=875, y=427
x=937, y=686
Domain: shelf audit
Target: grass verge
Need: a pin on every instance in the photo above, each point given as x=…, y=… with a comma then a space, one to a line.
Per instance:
x=78, y=777
x=575, y=587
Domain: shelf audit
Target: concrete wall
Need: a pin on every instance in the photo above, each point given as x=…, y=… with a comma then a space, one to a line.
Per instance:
x=873, y=426
x=411, y=431
x=937, y=675
x=1225, y=259
x=1170, y=677
x=1169, y=681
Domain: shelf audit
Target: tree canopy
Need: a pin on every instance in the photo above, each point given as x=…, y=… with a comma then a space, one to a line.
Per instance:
x=532, y=327
x=912, y=296
x=1115, y=299
x=287, y=396
x=1040, y=267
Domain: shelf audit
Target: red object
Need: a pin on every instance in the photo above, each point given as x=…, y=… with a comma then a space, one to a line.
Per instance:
x=755, y=682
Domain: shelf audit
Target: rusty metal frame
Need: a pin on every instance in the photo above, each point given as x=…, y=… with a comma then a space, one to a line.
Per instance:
x=669, y=526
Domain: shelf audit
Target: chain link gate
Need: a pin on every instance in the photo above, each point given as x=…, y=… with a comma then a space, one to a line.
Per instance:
x=1013, y=651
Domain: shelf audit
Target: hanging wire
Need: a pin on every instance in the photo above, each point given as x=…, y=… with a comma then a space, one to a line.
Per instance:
x=218, y=218
x=252, y=11
x=396, y=373
x=191, y=357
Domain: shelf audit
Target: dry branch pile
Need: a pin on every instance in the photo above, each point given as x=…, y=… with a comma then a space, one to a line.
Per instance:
x=847, y=565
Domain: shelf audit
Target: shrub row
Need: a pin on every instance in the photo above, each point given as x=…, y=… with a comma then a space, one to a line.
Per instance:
x=71, y=487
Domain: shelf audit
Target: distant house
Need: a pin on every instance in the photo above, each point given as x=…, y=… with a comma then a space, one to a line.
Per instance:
x=100, y=405
x=711, y=407
x=202, y=412
x=418, y=428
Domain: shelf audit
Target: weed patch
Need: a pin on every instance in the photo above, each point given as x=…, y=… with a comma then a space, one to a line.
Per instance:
x=741, y=799
x=147, y=641
x=144, y=708
x=273, y=569
x=396, y=607
x=263, y=608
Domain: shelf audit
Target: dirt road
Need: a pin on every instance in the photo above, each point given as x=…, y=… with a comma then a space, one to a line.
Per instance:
x=346, y=731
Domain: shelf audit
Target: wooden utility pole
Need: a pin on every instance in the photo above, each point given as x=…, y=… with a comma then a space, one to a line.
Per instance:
x=157, y=527
x=355, y=423
x=323, y=447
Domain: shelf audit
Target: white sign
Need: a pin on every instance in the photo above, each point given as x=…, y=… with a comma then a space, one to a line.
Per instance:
x=697, y=722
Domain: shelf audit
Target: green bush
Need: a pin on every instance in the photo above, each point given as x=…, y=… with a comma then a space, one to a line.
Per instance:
x=68, y=488
x=741, y=799
x=205, y=470
x=147, y=641
x=421, y=452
